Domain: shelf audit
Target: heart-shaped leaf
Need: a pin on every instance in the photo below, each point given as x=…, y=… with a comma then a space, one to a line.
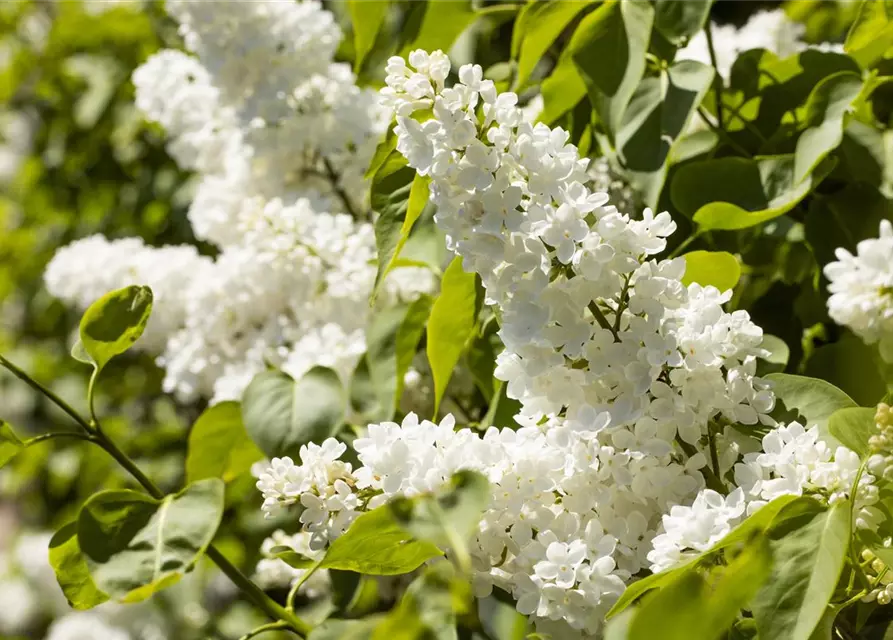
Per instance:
x=113, y=323
x=219, y=446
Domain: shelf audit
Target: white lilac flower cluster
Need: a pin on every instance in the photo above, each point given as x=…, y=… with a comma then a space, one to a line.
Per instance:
x=770, y=30
x=595, y=330
x=279, y=136
x=861, y=288
x=793, y=461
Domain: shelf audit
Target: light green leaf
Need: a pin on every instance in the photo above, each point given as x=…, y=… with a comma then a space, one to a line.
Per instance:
x=219, y=445
x=281, y=414
x=366, y=18
x=659, y=112
x=383, y=152
x=291, y=557
x=537, y=33
x=10, y=445
x=389, y=196
x=871, y=34
x=451, y=325
x=736, y=193
x=778, y=357
x=449, y=516
x=408, y=337
x=609, y=48
x=655, y=581
x=717, y=268
x=562, y=90
x=826, y=108
x=436, y=24
x=428, y=608
x=692, y=608
x=71, y=570
x=809, y=400
x=500, y=619
x=678, y=21
x=113, y=323
x=375, y=544
x=853, y=427
x=135, y=545
x=806, y=567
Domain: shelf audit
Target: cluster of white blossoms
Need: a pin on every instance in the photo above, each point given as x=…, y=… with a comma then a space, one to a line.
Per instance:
x=770, y=30
x=279, y=135
x=861, y=288
x=793, y=461
x=620, y=370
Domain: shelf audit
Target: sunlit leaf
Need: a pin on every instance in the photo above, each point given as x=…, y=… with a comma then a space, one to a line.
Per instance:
x=219, y=445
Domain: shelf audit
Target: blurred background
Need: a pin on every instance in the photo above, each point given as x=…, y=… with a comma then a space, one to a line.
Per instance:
x=76, y=159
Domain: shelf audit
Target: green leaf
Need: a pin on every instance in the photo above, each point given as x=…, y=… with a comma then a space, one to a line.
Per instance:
x=449, y=516
x=500, y=619
x=135, y=545
x=281, y=414
x=71, y=570
x=408, y=337
x=770, y=517
x=381, y=356
x=346, y=629
x=291, y=557
x=609, y=48
x=389, y=195
x=375, y=544
x=806, y=567
x=736, y=193
x=809, y=400
x=851, y=365
x=871, y=34
x=10, y=445
x=826, y=108
x=562, y=90
x=692, y=608
x=657, y=115
x=428, y=608
x=853, y=427
x=383, y=152
x=219, y=446
x=436, y=24
x=451, y=325
x=542, y=27
x=366, y=18
x=679, y=21
x=114, y=322
x=502, y=410
x=717, y=268
x=778, y=357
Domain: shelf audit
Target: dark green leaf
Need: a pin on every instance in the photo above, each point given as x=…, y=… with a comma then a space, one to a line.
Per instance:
x=113, y=323
x=717, y=268
x=409, y=335
x=657, y=115
x=853, y=427
x=389, y=196
x=806, y=567
x=281, y=415
x=451, y=325
x=851, y=365
x=381, y=356
x=609, y=48
x=71, y=570
x=736, y=193
x=219, y=446
x=375, y=544
x=678, y=21
x=826, y=108
x=135, y=545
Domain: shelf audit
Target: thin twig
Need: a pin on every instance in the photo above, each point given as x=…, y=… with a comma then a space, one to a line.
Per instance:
x=273, y=626
x=75, y=435
x=722, y=133
x=717, y=78
x=602, y=320
x=337, y=188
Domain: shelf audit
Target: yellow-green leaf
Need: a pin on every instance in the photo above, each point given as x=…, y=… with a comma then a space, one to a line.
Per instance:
x=717, y=268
